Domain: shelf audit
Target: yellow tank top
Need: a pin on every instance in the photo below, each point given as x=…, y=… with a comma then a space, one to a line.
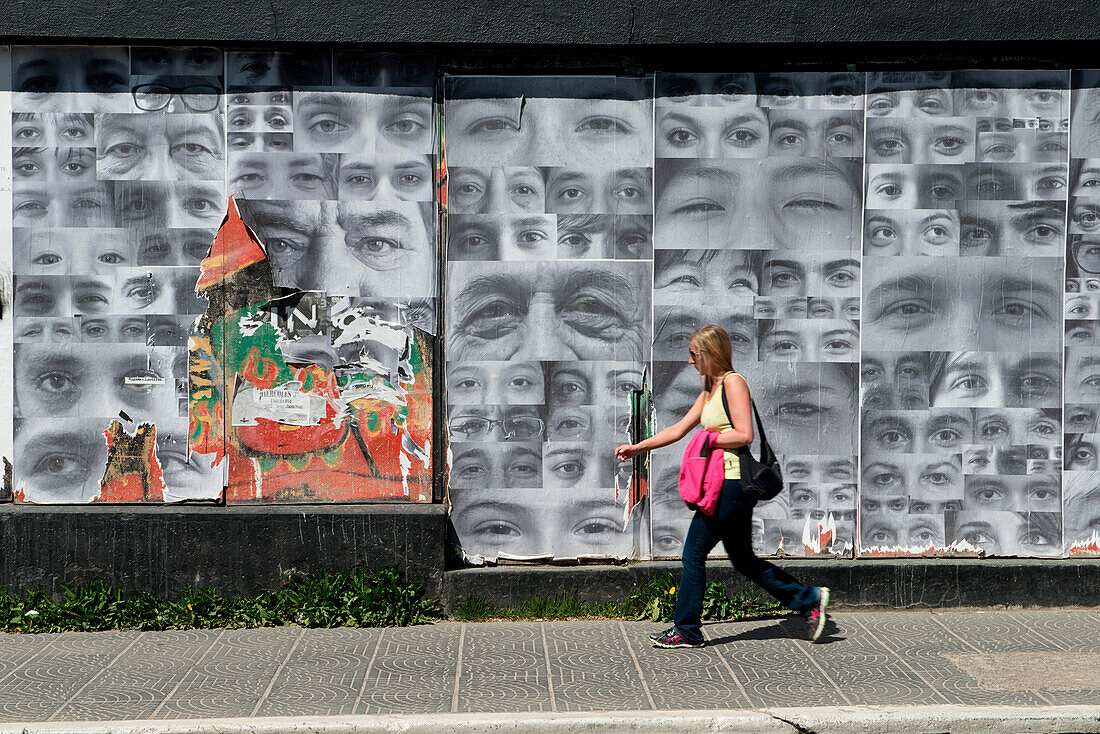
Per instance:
x=714, y=419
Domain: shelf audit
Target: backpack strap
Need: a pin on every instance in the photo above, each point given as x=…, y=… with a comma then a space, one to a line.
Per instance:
x=765, y=447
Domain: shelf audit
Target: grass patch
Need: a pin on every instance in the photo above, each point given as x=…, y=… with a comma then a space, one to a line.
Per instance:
x=655, y=601
x=345, y=599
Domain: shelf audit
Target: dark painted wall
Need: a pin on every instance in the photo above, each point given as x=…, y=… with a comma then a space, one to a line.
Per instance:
x=614, y=22
x=235, y=550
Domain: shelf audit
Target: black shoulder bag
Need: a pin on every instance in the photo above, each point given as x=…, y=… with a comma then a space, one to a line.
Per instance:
x=760, y=480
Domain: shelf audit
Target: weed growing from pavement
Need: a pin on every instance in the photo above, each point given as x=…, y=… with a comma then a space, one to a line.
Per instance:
x=345, y=599
x=655, y=601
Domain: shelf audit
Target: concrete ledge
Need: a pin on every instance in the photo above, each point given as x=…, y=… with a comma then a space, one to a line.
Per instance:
x=236, y=550
x=910, y=583
x=817, y=720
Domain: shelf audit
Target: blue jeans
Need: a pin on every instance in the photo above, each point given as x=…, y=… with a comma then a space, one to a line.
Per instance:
x=731, y=524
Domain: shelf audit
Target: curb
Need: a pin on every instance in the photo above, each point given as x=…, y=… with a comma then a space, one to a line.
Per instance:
x=948, y=719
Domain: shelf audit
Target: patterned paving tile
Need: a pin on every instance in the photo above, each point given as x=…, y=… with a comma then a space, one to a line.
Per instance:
x=25, y=701
x=17, y=649
x=316, y=694
x=592, y=668
x=116, y=698
x=684, y=679
x=989, y=632
x=405, y=702
x=886, y=657
x=1073, y=698
x=504, y=667
x=203, y=703
x=1070, y=631
x=413, y=672
x=323, y=674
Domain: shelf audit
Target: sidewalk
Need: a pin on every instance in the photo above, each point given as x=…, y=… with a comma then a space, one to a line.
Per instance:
x=974, y=659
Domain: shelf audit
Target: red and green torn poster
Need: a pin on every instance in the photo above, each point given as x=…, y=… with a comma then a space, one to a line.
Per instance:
x=303, y=396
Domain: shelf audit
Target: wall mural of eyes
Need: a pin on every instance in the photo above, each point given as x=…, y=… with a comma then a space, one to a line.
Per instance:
x=549, y=248
x=757, y=210
x=906, y=264
x=967, y=182
x=123, y=158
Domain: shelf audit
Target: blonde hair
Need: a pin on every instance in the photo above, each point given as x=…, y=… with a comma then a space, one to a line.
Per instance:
x=713, y=342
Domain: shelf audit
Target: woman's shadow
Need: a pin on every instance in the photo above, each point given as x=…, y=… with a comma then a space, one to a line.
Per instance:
x=784, y=628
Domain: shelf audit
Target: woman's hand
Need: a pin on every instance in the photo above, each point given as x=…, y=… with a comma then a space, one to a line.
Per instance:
x=627, y=451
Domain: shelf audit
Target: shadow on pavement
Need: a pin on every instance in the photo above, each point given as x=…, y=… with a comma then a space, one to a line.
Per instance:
x=786, y=628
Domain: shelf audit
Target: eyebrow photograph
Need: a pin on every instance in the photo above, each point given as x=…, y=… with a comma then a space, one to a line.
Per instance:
x=385, y=177
x=598, y=191
x=903, y=232
x=71, y=203
x=705, y=90
x=569, y=310
x=812, y=405
x=605, y=236
x=283, y=175
x=600, y=122
x=765, y=204
x=910, y=94
x=561, y=523
x=924, y=139
x=895, y=380
x=61, y=130
x=815, y=133
x=508, y=237
x=353, y=248
x=54, y=164
x=1015, y=93
x=916, y=186
x=999, y=140
x=181, y=147
x=59, y=459
x=502, y=190
x=808, y=340
x=70, y=78
x=1003, y=379
x=354, y=122
x=357, y=68
x=685, y=130
x=593, y=383
x=1009, y=228
x=935, y=304
x=280, y=69
x=1014, y=181
x=496, y=383
x=810, y=90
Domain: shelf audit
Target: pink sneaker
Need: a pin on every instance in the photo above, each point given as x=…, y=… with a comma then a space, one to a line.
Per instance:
x=673, y=638
x=816, y=616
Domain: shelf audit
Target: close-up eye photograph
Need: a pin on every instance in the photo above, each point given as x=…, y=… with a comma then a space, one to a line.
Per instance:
x=684, y=130
x=503, y=190
x=923, y=139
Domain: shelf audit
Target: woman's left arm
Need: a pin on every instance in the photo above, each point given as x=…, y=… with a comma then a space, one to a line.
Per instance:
x=737, y=395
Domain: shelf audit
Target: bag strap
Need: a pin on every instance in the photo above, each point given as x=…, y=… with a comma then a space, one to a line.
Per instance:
x=767, y=456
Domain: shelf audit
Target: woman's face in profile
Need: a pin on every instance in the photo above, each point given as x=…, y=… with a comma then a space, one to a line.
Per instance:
x=698, y=359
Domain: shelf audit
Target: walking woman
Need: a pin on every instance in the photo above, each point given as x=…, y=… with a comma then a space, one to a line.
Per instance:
x=731, y=523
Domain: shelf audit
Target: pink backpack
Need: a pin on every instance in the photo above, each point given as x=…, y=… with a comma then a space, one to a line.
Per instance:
x=702, y=471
